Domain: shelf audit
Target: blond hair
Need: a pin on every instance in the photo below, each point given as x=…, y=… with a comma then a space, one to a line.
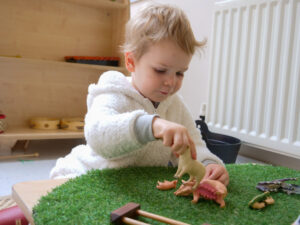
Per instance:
x=157, y=22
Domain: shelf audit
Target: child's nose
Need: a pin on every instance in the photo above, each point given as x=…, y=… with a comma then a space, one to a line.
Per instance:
x=170, y=80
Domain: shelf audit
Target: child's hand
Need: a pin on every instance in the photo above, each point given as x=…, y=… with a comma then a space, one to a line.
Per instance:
x=216, y=172
x=173, y=135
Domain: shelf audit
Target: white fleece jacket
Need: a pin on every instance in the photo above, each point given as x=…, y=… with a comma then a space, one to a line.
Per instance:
x=113, y=107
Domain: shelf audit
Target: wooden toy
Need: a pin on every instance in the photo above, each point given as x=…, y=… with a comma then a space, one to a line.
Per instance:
x=195, y=169
x=127, y=214
x=74, y=124
x=166, y=185
x=44, y=123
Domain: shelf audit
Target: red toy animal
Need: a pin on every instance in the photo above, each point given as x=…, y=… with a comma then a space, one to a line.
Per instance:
x=208, y=189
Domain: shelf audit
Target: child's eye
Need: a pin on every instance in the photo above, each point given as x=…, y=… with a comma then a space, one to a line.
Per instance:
x=179, y=74
x=159, y=70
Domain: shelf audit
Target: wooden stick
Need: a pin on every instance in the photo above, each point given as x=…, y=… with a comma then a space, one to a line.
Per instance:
x=18, y=156
x=130, y=221
x=131, y=210
x=160, y=218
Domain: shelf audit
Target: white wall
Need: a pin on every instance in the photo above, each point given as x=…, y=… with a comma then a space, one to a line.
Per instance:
x=195, y=85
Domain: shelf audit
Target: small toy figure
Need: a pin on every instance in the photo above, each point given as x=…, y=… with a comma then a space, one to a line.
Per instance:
x=279, y=185
x=211, y=189
x=185, y=189
x=260, y=201
x=3, y=123
x=208, y=189
x=166, y=185
x=195, y=169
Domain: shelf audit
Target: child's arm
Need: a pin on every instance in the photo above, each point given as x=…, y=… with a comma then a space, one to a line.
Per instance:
x=109, y=130
x=173, y=135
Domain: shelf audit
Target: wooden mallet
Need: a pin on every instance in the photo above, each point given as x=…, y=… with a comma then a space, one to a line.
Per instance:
x=127, y=214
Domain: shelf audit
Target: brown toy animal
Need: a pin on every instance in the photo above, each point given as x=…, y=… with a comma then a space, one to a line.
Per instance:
x=195, y=169
x=166, y=185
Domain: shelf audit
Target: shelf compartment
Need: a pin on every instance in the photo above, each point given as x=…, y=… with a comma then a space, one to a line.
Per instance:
x=52, y=29
x=24, y=133
x=100, y=68
x=40, y=83
x=108, y=4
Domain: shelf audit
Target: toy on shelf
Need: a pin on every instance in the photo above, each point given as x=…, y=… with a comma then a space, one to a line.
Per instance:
x=95, y=60
x=207, y=189
x=279, y=185
x=3, y=123
x=44, y=123
x=74, y=124
x=261, y=201
x=130, y=211
x=166, y=185
x=195, y=169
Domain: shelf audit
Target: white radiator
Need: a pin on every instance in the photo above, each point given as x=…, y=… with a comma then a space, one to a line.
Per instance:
x=254, y=90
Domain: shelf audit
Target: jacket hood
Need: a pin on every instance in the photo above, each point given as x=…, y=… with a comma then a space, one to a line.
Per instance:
x=116, y=82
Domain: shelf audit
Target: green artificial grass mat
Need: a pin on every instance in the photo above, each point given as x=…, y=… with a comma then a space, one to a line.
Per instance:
x=90, y=198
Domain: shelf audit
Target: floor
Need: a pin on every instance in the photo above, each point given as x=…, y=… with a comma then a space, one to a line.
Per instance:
x=19, y=170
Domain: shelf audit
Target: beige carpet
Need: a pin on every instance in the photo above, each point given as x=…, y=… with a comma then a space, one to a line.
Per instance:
x=6, y=202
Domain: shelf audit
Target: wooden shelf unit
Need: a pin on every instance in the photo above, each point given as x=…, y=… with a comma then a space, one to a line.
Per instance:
x=25, y=133
x=35, y=81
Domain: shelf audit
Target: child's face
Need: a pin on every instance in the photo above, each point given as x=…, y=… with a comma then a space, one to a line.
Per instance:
x=159, y=72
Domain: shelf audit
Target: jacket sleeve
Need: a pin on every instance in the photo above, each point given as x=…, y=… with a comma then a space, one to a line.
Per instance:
x=109, y=129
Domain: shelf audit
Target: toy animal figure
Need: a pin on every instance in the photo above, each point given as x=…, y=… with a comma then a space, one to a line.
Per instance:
x=211, y=189
x=166, y=185
x=279, y=185
x=208, y=189
x=185, y=189
x=195, y=169
x=261, y=201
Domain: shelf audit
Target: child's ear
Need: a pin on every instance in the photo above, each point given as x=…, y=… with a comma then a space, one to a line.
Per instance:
x=129, y=61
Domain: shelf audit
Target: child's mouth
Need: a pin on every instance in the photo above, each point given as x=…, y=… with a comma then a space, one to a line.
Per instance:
x=164, y=92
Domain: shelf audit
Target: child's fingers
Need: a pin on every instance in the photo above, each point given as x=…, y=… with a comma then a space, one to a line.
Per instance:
x=193, y=152
x=167, y=140
x=224, y=179
x=192, y=148
x=217, y=172
x=175, y=153
x=177, y=143
x=180, y=143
